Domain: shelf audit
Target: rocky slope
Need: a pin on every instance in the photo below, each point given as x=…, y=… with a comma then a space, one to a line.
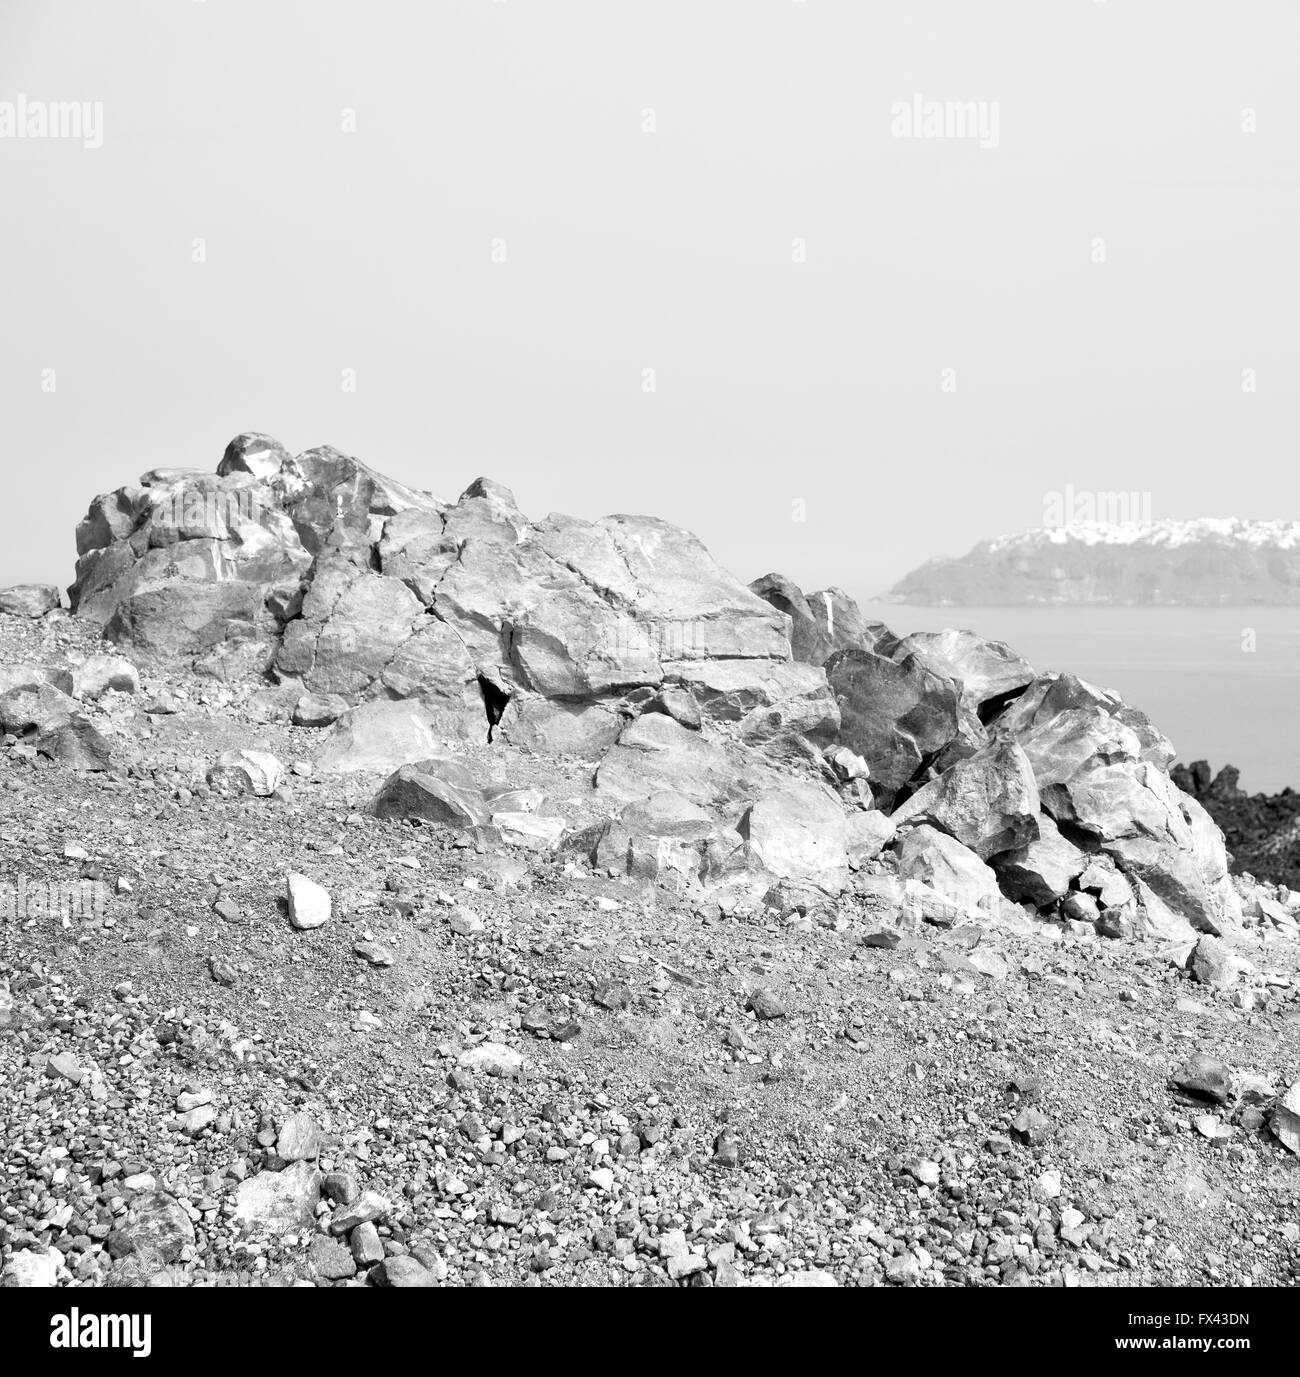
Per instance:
x=1204, y=563
x=410, y=892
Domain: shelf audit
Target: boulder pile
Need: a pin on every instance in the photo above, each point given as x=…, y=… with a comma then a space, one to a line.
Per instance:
x=755, y=741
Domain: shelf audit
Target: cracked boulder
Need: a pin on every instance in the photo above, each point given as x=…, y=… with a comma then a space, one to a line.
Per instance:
x=989, y=801
x=897, y=715
x=798, y=832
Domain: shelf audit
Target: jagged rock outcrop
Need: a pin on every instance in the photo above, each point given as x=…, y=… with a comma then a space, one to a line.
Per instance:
x=1262, y=830
x=740, y=735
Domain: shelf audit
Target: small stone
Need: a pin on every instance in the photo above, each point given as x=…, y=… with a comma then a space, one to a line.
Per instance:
x=222, y=971
x=330, y=1259
x=64, y=1064
x=367, y=1247
x=765, y=1004
x=1205, y=1077
x=885, y=938
x=403, y=1271
x=374, y=953
x=903, y=1269
x=612, y=994
x=726, y=1148
x=368, y=1209
x=926, y=1172
x=299, y=1139
x=494, y=1058
x=1212, y=963
x=1031, y=1126
x=309, y=904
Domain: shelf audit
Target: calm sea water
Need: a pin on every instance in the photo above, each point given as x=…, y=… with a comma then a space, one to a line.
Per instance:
x=1186, y=667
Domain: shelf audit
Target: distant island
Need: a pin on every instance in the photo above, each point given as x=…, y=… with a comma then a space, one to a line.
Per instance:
x=1207, y=562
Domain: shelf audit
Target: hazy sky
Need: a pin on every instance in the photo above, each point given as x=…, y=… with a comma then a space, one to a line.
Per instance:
x=647, y=169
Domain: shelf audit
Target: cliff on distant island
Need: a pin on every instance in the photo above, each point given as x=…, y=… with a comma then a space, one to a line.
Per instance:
x=1204, y=563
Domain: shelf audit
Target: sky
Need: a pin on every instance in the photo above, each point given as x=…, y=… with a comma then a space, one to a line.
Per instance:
x=690, y=258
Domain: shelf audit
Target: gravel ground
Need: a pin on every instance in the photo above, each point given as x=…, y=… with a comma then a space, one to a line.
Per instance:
x=496, y=1067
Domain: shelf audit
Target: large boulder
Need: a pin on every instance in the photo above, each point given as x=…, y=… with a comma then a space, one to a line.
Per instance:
x=990, y=673
x=663, y=833
x=655, y=753
x=186, y=560
x=769, y=698
x=897, y=715
x=378, y=737
x=29, y=599
x=939, y=861
x=989, y=801
x=1041, y=871
x=438, y=789
x=798, y=832
x=53, y=724
x=820, y=623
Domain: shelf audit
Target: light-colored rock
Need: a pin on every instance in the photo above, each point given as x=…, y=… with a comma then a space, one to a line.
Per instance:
x=246, y=772
x=279, y=1202
x=988, y=801
x=309, y=904
x=530, y=831
x=947, y=866
x=655, y=753
x=319, y=709
x=1285, y=1119
x=868, y=833
x=798, y=832
x=29, y=599
x=28, y=1269
x=299, y=1139
x=93, y=677
x=494, y=1058
x=378, y=737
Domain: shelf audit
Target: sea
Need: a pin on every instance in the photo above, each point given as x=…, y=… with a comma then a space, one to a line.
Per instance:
x=1222, y=683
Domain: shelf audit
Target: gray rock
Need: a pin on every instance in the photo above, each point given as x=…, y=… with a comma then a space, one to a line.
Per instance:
x=438, y=789
x=29, y=599
x=319, y=709
x=989, y=801
x=798, y=832
x=154, y=1228
x=1285, y=1119
x=403, y=1271
x=765, y=1004
x=1212, y=964
x=299, y=1139
x=94, y=676
x=330, y=1259
x=279, y=1201
x=945, y=865
x=1205, y=1077
x=367, y=1247
x=895, y=715
x=246, y=772
x=1041, y=871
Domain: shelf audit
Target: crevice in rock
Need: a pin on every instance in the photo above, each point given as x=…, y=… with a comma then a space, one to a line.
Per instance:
x=992, y=708
x=494, y=702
